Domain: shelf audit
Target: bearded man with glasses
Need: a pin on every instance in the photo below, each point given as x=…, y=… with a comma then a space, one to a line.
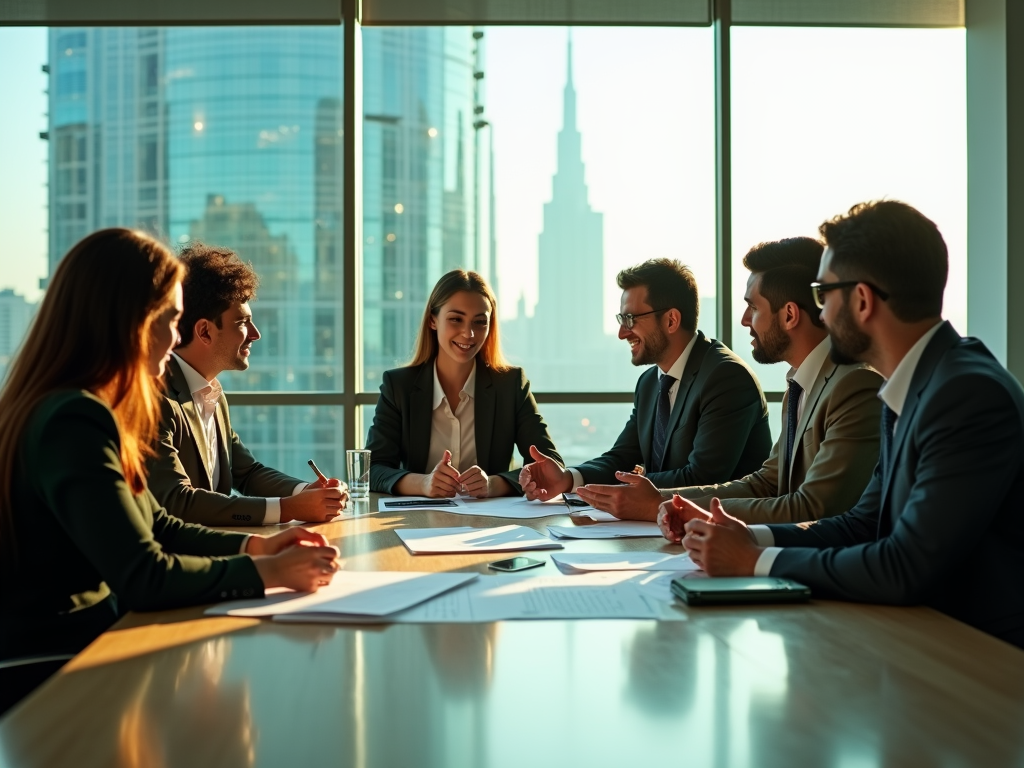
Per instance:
x=699, y=416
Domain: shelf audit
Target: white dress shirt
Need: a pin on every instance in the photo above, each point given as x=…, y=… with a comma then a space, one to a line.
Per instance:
x=205, y=395
x=453, y=431
x=806, y=373
x=894, y=394
x=676, y=372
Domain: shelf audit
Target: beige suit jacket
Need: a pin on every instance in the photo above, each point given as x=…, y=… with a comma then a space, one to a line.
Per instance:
x=834, y=454
x=180, y=478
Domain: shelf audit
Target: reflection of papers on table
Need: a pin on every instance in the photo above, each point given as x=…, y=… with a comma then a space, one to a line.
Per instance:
x=351, y=593
x=622, y=561
x=505, y=538
x=619, y=595
x=620, y=530
x=511, y=507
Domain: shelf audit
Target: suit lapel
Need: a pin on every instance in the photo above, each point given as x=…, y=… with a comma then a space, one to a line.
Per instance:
x=690, y=371
x=825, y=373
x=226, y=480
x=941, y=342
x=179, y=390
x=421, y=406
x=483, y=416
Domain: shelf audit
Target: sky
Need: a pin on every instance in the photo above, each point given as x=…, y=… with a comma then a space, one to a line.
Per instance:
x=822, y=119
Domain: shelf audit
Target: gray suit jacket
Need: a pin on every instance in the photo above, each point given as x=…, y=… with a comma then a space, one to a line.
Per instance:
x=718, y=428
x=942, y=521
x=505, y=417
x=834, y=454
x=179, y=475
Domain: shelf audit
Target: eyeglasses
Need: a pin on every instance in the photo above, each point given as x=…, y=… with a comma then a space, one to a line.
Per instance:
x=628, y=320
x=820, y=289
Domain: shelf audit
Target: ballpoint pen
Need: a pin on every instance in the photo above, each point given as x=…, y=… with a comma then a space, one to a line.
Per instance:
x=318, y=472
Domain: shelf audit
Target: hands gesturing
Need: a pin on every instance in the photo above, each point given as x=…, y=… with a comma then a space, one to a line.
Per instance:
x=544, y=478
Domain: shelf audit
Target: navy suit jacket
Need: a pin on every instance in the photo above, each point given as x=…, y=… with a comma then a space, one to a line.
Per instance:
x=717, y=431
x=505, y=417
x=942, y=523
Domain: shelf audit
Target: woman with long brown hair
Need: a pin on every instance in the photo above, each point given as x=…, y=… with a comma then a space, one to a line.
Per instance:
x=447, y=422
x=82, y=540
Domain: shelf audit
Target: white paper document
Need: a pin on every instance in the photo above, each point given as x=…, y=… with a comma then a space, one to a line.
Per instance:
x=622, y=561
x=505, y=538
x=621, y=530
x=511, y=507
x=619, y=595
x=351, y=593
x=594, y=514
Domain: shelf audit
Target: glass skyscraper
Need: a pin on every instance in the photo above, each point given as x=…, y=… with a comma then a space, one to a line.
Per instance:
x=232, y=136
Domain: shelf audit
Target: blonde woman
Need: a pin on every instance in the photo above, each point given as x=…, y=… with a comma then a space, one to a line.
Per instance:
x=82, y=540
x=447, y=422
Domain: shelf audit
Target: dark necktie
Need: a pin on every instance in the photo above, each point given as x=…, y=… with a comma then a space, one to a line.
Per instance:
x=793, y=406
x=888, y=425
x=661, y=422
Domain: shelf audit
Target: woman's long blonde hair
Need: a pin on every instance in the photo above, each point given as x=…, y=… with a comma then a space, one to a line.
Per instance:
x=93, y=332
x=453, y=282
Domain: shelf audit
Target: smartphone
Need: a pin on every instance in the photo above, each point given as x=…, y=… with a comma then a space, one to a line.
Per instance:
x=515, y=564
x=731, y=591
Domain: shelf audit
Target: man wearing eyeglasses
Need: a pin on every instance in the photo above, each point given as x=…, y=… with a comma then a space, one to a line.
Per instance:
x=828, y=445
x=940, y=523
x=699, y=415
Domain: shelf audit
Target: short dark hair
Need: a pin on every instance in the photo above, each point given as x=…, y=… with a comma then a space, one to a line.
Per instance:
x=787, y=269
x=895, y=247
x=215, y=279
x=670, y=285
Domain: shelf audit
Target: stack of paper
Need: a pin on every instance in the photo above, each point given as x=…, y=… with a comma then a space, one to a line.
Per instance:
x=620, y=595
x=511, y=507
x=352, y=594
x=505, y=538
x=623, y=561
x=620, y=530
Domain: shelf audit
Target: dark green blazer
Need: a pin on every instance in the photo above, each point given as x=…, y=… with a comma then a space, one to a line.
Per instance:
x=717, y=431
x=180, y=478
x=88, y=549
x=505, y=417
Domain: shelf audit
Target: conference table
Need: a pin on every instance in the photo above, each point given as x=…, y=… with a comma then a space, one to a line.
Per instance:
x=820, y=684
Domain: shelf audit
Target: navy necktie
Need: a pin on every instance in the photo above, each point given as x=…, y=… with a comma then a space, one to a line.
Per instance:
x=793, y=406
x=661, y=422
x=888, y=425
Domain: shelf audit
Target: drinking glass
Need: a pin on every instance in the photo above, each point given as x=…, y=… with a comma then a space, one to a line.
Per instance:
x=358, y=465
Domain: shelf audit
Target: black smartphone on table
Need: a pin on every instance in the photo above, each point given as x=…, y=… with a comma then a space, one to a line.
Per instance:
x=736, y=590
x=515, y=564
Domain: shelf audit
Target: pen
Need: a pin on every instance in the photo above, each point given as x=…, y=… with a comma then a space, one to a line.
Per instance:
x=318, y=472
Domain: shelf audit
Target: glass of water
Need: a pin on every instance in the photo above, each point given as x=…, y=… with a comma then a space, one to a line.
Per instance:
x=358, y=465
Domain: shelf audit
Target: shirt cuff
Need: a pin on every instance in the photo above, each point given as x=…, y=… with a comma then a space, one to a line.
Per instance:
x=245, y=543
x=763, y=566
x=762, y=535
x=577, y=479
x=299, y=488
x=273, y=515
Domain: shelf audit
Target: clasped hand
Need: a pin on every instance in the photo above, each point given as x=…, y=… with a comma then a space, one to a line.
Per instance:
x=719, y=543
x=445, y=481
x=295, y=558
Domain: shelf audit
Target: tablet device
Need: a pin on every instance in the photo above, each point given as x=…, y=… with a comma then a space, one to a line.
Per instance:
x=733, y=590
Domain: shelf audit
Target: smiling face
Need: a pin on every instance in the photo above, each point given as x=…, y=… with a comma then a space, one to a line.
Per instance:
x=231, y=341
x=768, y=339
x=164, y=334
x=647, y=339
x=462, y=324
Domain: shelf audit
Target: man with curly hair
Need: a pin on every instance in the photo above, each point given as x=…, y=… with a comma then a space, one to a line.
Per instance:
x=200, y=458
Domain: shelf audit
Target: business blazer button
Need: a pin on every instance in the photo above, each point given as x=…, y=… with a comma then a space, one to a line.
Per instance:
x=247, y=593
x=223, y=594
x=234, y=593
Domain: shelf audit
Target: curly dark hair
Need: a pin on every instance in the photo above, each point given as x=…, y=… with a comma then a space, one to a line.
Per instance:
x=215, y=279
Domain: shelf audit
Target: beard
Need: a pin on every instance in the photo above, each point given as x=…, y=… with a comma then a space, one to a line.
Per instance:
x=654, y=347
x=770, y=347
x=849, y=343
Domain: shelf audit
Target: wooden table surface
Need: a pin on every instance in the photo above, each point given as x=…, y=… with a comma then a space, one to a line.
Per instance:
x=824, y=684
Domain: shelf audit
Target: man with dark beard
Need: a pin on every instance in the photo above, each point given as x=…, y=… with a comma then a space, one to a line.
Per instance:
x=699, y=415
x=940, y=522
x=828, y=444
